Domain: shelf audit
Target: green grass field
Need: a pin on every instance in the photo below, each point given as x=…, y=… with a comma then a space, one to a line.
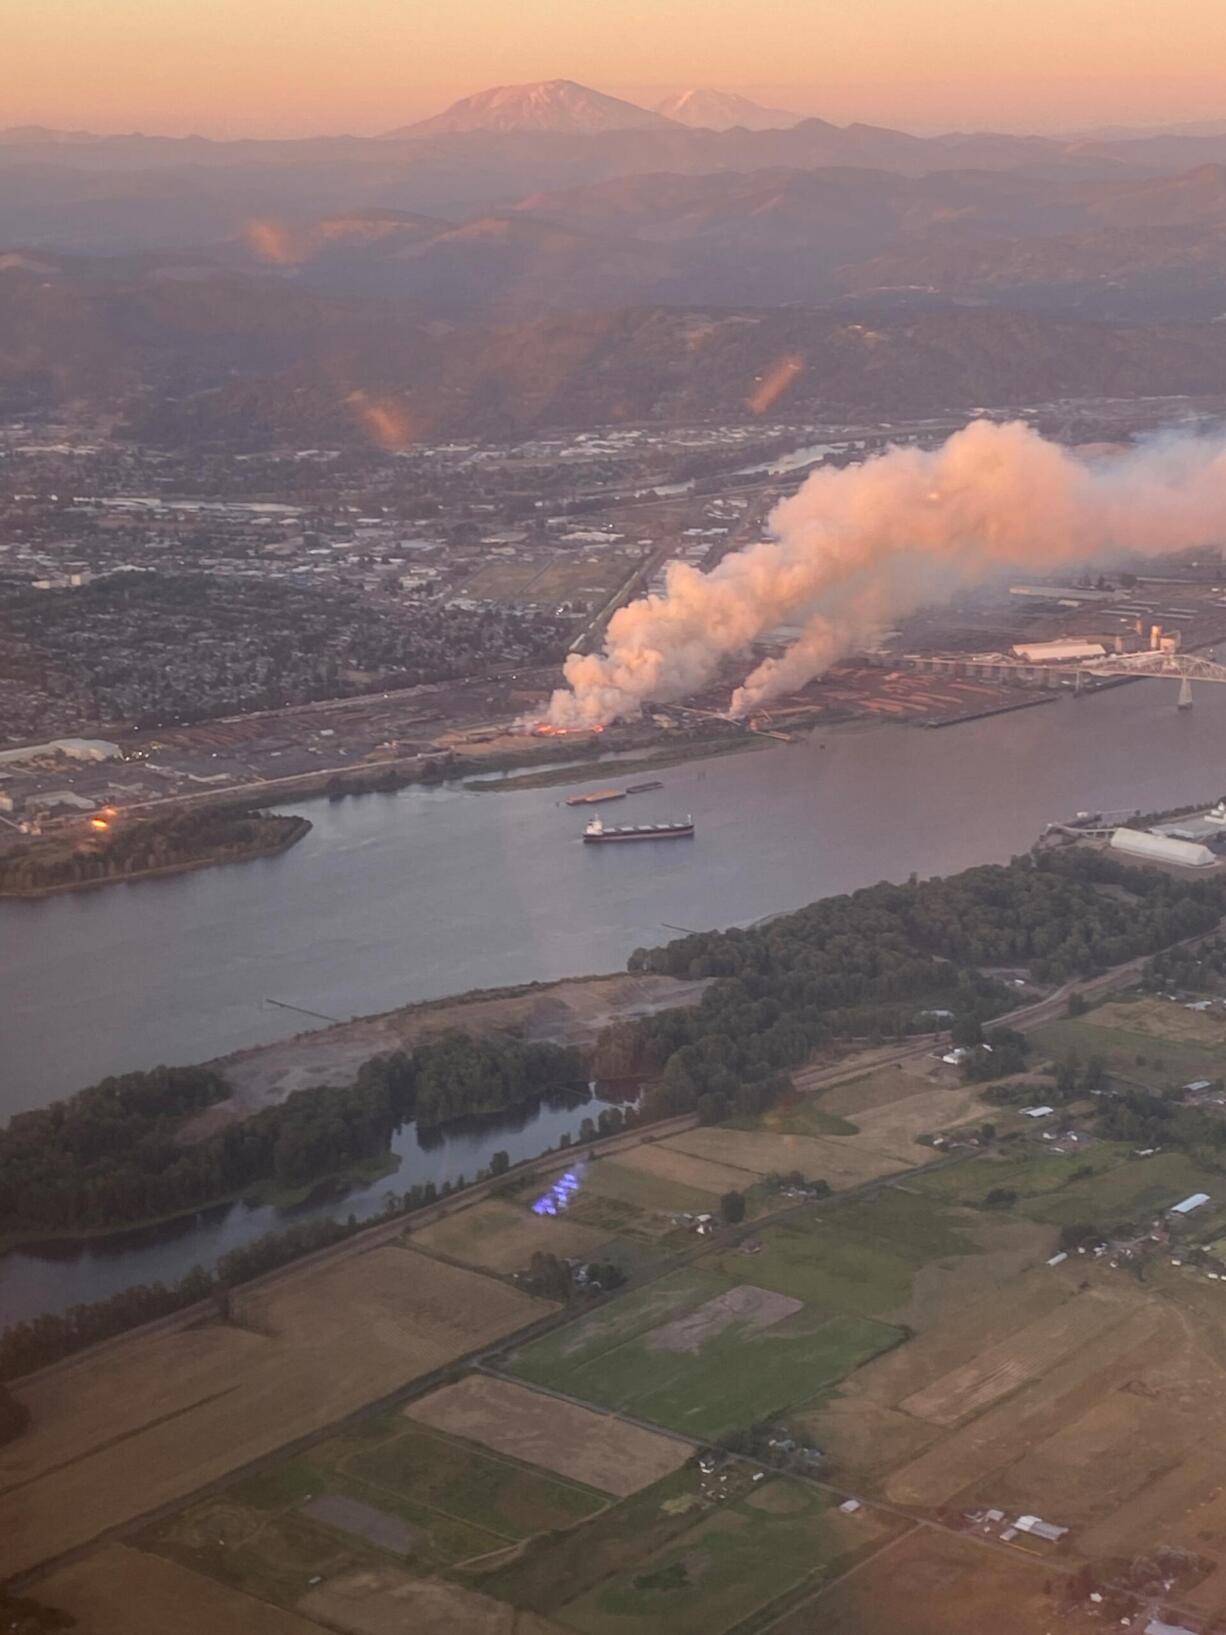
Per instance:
x=1050, y=1187
x=548, y=1572
x=1030, y=1173
x=829, y=1268
x=734, y=1561
x=644, y=1191
x=729, y=1379
x=1133, y=1191
x=739, y=1379
x=551, y=1360
x=439, y=1474
x=1165, y=1063
x=857, y=1258
x=458, y=1501
x=921, y=1228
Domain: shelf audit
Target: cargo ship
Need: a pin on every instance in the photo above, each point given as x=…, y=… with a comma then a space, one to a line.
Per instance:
x=642, y=788
x=596, y=797
x=597, y=835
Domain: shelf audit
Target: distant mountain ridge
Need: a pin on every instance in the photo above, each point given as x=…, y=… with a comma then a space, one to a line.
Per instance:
x=212, y=358
x=1153, y=249
x=556, y=105
x=705, y=109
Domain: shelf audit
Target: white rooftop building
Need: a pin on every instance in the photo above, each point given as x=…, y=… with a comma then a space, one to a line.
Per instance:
x=76, y=749
x=1064, y=652
x=1196, y=1200
x=1038, y=1528
x=1155, y=848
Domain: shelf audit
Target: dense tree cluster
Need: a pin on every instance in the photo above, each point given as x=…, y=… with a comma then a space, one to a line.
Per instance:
x=1147, y=1120
x=1004, y=1050
x=1202, y=968
x=112, y=1155
x=876, y=963
x=202, y=834
x=881, y=943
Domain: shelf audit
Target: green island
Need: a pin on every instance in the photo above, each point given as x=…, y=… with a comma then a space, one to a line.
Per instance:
x=139, y=848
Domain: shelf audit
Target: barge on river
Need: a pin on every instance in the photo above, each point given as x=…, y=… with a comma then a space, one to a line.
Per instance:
x=595, y=798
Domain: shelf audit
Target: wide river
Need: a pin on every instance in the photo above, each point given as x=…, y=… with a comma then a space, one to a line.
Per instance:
x=428, y=892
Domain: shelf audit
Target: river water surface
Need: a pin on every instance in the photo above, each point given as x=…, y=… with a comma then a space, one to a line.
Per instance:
x=428, y=892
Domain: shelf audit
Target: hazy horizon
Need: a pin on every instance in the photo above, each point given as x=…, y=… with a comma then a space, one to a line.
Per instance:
x=294, y=68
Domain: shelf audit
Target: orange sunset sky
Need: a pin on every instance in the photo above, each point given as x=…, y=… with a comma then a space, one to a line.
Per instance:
x=301, y=67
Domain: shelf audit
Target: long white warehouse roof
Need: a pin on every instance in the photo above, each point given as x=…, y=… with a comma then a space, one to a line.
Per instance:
x=1056, y=652
x=1194, y=1201
x=1189, y=854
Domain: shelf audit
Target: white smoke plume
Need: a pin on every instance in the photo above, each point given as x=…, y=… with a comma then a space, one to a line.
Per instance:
x=859, y=547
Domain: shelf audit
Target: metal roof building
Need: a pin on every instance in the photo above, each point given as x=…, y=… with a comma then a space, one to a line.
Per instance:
x=1195, y=1200
x=1142, y=843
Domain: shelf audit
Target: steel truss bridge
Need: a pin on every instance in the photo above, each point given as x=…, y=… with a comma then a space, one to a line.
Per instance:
x=1185, y=668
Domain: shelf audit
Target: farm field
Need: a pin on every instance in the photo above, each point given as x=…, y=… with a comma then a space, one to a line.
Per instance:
x=650, y=1193
x=500, y=1235
x=834, y=1159
x=1148, y=1039
x=860, y=1257
x=886, y=1138
x=1131, y=1191
x=1163, y=1019
x=137, y=1426
x=733, y=1562
x=1000, y=1369
x=702, y=1354
x=575, y=1442
x=930, y=1583
x=670, y=1167
x=120, y=1591
x=551, y=1572
x=877, y=1088
x=923, y=1341
x=383, y=1600
x=388, y=1491
x=804, y=1116
x=1053, y=1188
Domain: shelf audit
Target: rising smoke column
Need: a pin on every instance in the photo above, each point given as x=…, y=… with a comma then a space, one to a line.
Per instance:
x=859, y=547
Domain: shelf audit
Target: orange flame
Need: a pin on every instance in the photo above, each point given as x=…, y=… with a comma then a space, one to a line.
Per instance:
x=98, y=823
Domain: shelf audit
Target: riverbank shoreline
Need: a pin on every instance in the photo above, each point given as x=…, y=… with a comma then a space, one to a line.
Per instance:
x=570, y=1011
x=578, y=772
x=292, y=829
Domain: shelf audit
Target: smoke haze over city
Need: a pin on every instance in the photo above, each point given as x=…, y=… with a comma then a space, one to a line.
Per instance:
x=867, y=544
